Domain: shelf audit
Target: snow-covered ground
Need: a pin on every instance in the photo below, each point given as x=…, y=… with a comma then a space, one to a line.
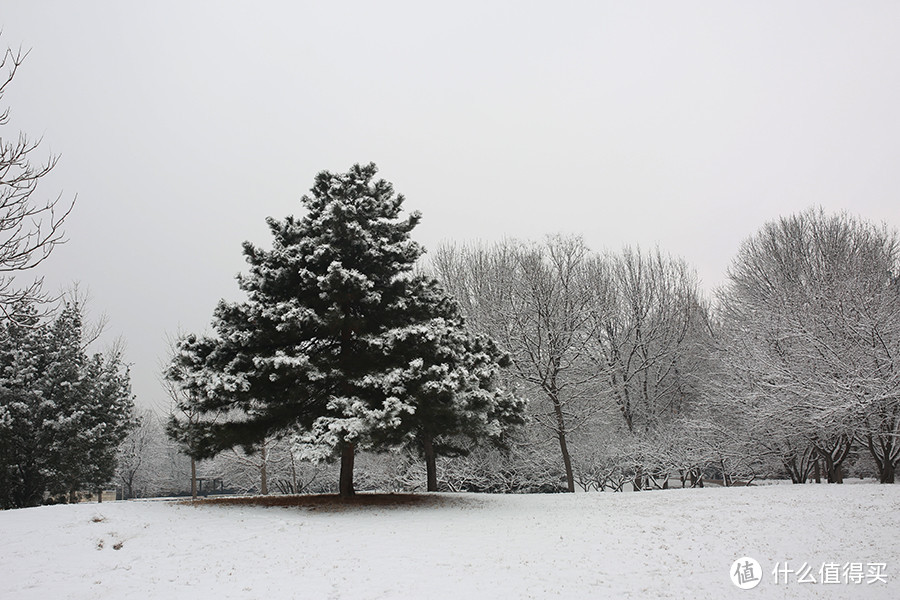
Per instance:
x=671, y=544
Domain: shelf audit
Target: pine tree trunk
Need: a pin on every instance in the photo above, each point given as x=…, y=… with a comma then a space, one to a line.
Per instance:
x=430, y=463
x=348, y=454
x=193, y=479
x=263, y=476
x=348, y=449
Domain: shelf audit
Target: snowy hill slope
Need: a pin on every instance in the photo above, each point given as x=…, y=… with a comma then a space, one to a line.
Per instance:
x=672, y=544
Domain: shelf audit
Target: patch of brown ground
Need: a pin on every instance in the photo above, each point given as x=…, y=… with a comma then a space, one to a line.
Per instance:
x=330, y=501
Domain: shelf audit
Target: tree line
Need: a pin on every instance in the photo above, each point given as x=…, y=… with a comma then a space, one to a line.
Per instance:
x=790, y=368
x=348, y=341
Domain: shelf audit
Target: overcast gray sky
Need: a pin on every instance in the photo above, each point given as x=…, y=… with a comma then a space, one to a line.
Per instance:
x=182, y=125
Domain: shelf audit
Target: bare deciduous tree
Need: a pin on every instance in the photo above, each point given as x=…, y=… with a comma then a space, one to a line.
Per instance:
x=141, y=457
x=811, y=340
x=29, y=228
x=646, y=307
x=533, y=299
x=649, y=327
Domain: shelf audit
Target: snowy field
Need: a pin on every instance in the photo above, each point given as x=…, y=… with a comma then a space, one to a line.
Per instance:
x=672, y=544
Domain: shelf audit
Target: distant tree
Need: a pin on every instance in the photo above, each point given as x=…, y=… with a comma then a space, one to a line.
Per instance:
x=250, y=472
x=63, y=413
x=519, y=469
x=811, y=340
x=649, y=341
x=648, y=316
x=141, y=457
x=29, y=228
x=271, y=467
x=306, y=352
x=535, y=300
x=186, y=422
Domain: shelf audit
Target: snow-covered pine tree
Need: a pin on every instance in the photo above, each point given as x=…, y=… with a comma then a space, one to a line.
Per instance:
x=445, y=386
x=310, y=346
x=62, y=413
x=22, y=441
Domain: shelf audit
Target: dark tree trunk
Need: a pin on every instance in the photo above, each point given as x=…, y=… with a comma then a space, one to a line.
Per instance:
x=430, y=463
x=263, y=472
x=348, y=449
x=887, y=473
x=834, y=458
x=816, y=471
x=837, y=474
x=348, y=454
x=833, y=471
x=799, y=464
x=885, y=456
x=193, y=479
x=696, y=478
x=567, y=462
x=563, y=446
x=796, y=473
x=637, y=483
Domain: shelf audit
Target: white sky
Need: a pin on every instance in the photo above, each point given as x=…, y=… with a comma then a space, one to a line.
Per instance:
x=182, y=125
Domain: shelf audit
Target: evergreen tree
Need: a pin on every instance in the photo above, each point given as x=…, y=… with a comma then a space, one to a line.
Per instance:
x=62, y=413
x=446, y=386
x=310, y=347
x=23, y=462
